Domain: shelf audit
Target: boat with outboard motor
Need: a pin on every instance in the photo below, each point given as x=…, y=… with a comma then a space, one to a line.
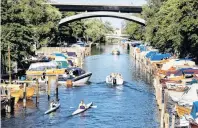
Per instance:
x=114, y=79
x=77, y=76
x=116, y=52
x=78, y=111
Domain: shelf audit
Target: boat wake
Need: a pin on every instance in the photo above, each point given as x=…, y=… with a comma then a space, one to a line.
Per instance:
x=127, y=84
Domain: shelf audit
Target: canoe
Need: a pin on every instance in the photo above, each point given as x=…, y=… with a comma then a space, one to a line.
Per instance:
x=78, y=111
x=52, y=109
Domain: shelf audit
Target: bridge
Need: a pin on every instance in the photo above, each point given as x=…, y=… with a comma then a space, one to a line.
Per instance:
x=117, y=36
x=94, y=7
x=102, y=14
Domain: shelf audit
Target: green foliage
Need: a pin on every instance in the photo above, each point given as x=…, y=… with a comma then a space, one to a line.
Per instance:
x=24, y=23
x=96, y=29
x=173, y=27
x=135, y=30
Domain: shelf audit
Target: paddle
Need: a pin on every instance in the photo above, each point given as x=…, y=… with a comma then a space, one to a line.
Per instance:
x=93, y=106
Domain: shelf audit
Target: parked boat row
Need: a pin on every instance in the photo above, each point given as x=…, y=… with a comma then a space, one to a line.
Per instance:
x=179, y=76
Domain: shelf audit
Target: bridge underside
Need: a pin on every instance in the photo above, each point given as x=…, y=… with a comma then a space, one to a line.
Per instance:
x=93, y=8
x=102, y=14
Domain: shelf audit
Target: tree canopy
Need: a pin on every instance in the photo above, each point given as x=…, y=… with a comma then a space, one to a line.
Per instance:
x=25, y=25
x=172, y=26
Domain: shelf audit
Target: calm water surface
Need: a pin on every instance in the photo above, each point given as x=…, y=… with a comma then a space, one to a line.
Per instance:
x=129, y=106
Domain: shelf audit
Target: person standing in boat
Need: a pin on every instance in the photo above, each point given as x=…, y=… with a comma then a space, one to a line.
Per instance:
x=44, y=78
x=82, y=105
x=66, y=74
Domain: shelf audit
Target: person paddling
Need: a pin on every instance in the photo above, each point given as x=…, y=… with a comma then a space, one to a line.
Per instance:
x=52, y=104
x=82, y=105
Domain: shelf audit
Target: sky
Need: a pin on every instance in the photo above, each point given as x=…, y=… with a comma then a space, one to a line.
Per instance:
x=116, y=23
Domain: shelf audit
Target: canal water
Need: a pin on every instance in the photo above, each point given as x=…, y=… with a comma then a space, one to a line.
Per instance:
x=129, y=106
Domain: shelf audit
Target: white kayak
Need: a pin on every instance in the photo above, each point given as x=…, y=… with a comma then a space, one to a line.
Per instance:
x=53, y=109
x=78, y=111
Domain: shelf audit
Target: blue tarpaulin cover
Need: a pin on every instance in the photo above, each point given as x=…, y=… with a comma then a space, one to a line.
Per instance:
x=159, y=56
x=151, y=53
x=142, y=48
x=194, y=109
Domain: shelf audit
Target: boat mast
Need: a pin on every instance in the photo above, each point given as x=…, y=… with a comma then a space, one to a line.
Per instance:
x=9, y=63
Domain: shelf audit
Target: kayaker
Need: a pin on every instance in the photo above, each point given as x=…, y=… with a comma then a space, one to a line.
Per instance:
x=52, y=104
x=82, y=105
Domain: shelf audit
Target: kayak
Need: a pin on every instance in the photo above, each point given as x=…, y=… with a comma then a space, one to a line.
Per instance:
x=78, y=111
x=53, y=109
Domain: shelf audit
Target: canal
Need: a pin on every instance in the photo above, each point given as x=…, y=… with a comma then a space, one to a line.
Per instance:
x=132, y=105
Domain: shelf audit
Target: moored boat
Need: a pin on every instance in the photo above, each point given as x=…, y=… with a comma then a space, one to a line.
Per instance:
x=114, y=79
x=78, y=111
x=29, y=92
x=77, y=76
x=116, y=52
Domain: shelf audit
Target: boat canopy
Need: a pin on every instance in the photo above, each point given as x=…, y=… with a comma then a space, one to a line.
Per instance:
x=70, y=62
x=42, y=66
x=62, y=64
x=190, y=95
x=194, y=110
x=60, y=54
x=72, y=54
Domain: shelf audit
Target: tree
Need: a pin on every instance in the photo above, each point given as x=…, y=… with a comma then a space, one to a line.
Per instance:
x=25, y=23
x=96, y=29
x=173, y=27
x=135, y=31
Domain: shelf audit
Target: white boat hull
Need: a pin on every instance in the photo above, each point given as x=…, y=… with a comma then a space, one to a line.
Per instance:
x=80, y=80
x=52, y=109
x=114, y=81
x=78, y=111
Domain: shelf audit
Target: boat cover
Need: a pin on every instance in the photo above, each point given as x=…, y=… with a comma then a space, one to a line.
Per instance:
x=194, y=110
x=60, y=54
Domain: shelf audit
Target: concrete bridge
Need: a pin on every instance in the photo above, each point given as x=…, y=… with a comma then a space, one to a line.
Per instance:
x=102, y=14
x=95, y=7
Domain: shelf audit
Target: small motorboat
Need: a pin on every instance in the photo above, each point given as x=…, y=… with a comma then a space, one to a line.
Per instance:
x=116, y=52
x=57, y=105
x=77, y=76
x=114, y=79
x=78, y=111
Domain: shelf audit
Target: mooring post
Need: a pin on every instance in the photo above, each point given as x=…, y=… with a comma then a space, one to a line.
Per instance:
x=9, y=101
x=24, y=95
x=173, y=121
x=37, y=92
x=56, y=87
x=48, y=92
